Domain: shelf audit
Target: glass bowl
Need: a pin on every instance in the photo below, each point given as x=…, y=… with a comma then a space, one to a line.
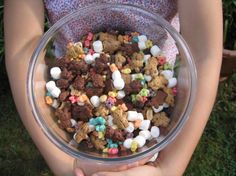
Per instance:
x=99, y=18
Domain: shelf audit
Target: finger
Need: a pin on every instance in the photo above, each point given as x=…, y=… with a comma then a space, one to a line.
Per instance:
x=137, y=171
x=78, y=172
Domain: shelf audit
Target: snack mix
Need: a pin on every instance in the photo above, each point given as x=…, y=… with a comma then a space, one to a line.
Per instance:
x=112, y=91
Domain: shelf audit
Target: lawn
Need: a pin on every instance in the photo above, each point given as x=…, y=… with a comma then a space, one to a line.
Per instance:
x=214, y=156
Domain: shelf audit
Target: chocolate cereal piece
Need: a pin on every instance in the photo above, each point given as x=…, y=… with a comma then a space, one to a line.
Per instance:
x=82, y=113
x=158, y=99
x=62, y=83
x=98, y=81
x=79, y=83
x=63, y=96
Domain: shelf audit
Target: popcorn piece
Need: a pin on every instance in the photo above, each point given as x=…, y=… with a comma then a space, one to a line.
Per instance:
x=120, y=118
x=119, y=60
x=102, y=110
x=155, y=50
x=97, y=46
x=95, y=101
x=151, y=67
x=55, y=72
x=145, y=124
x=161, y=119
x=170, y=96
x=98, y=143
x=155, y=132
x=126, y=78
x=136, y=62
x=158, y=82
x=172, y=82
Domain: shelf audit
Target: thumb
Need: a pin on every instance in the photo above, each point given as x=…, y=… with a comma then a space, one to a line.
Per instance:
x=78, y=172
x=137, y=171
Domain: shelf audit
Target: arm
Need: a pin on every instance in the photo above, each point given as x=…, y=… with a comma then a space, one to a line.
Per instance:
x=201, y=26
x=23, y=24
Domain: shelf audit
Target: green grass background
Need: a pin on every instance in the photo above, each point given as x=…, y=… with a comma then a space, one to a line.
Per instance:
x=214, y=156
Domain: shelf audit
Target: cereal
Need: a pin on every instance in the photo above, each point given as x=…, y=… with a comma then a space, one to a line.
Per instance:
x=111, y=91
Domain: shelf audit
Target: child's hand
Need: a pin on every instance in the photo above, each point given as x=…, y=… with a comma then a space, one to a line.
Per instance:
x=137, y=171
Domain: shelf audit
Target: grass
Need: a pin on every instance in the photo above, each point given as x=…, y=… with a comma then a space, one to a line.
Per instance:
x=214, y=156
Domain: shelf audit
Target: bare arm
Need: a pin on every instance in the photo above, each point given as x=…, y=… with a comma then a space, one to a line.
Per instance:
x=23, y=24
x=201, y=26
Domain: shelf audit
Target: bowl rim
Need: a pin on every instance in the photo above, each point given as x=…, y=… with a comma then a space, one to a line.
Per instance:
x=139, y=155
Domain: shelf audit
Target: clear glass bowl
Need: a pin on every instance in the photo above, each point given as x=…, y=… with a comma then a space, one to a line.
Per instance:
x=97, y=18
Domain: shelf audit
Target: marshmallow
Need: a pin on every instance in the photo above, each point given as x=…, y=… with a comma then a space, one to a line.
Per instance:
x=97, y=46
x=172, y=82
x=140, y=140
x=168, y=74
x=142, y=45
x=110, y=120
x=145, y=125
x=55, y=103
x=55, y=72
x=73, y=122
x=146, y=134
x=116, y=75
x=155, y=131
x=155, y=50
x=91, y=128
x=147, y=78
x=130, y=128
x=142, y=38
x=120, y=94
x=119, y=84
x=127, y=143
x=50, y=86
x=95, y=101
x=153, y=158
x=156, y=110
x=146, y=57
x=132, y=115
x=89, y=59
x=55, y=92
x=165, y=105
x=140, y=116
x=96, y=55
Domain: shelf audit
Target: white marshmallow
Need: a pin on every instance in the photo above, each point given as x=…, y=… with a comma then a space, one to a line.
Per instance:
x=155, y=50
x=55, y=92
x=120, y=94
x=165, y=105
x=156, y=110
x=142, y=38
x=172, y=82
x=96, y=55
x=132, y=115
x=146, y=134
x=95, y=101
x=89, y=59
x=145, y=124
x=91, y=127
x=147, y=78
x=50, y=86
x=55, y=103
x=140, y=116
x=142, y=45
x=155, y=131
x=110, y=120
x=154, y=157
x=146, y=58
x=97, y=46
x=55, y=72
x=73, y=122
x=127, y=143
x=168, y=74
x=116, y=75
x=119, y=84
x=140, y=140
x=130, y=128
